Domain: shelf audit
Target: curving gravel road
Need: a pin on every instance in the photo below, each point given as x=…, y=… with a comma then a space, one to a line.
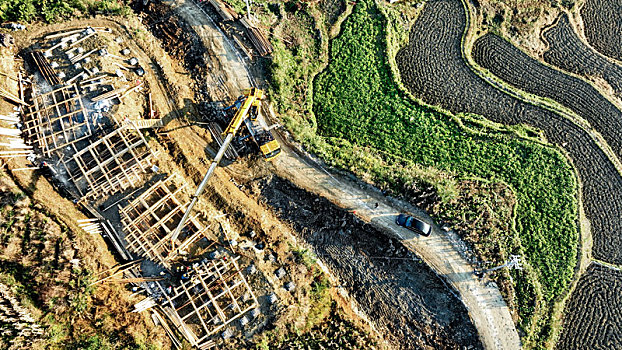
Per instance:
x=440, y=251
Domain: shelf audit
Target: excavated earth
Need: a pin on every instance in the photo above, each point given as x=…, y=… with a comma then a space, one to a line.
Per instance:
x=406, y=300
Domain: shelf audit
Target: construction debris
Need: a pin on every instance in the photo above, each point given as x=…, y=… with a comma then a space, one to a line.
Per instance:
x=109, y=95
x=150, y=219
x=57, y=119
x=223, y=10
x=91, y=226
x=116, y=271
x=6, y=40
x=257, y=38
x=111, y=164
x=144, y=305
x=45, y=68
x=9, y=96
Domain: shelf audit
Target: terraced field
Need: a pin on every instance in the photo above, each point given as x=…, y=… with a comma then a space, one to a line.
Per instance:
x=597, y=326
x=603, y=26
x=444, y=78
x=365, y=107
x=433, y=69
x=568, y=52
x=515, y=67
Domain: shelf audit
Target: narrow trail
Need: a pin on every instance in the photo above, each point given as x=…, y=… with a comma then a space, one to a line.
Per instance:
x=440, y=251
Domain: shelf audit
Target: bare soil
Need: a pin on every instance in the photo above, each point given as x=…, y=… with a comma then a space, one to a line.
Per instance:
x=408, y=302
x=593, y=313
x=484, y=302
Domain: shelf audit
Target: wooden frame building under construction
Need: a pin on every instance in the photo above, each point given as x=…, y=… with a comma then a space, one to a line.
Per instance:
x=150, y=220
x=111, y=164
x=57, y=119
x=215, y=295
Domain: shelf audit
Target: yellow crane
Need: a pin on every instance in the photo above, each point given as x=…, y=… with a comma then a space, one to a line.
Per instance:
x=250, y=103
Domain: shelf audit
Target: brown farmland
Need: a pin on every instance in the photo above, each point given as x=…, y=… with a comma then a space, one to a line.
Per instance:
x=597, y=326
x=433, y=69
x=603, y=26
x=568, y=52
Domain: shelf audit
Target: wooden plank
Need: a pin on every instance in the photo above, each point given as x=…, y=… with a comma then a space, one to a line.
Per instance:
x=12, y=98
x=62, y=34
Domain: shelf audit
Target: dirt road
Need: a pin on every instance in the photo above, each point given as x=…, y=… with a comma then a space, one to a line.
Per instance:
x=440, y=251
x=230, y=76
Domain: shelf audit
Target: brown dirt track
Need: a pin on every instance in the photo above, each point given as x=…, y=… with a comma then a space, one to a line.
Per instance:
x=597, y=326
x=568, y=52
x=603, y=26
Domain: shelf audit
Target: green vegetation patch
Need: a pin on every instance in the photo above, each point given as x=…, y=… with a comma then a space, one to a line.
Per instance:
x=357, y=101
x=56, y=10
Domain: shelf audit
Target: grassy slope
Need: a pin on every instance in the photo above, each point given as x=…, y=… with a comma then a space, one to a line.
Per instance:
x=55, y=10
x=357, y=100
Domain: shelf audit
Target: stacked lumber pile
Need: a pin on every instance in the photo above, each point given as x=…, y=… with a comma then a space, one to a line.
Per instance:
x=45, y=68
x=9, y=96
x=109, y=95
x=224, y=10
x=257, y=38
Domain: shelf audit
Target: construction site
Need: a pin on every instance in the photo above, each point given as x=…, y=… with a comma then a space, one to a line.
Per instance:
x=74, y=123
x=158, y=130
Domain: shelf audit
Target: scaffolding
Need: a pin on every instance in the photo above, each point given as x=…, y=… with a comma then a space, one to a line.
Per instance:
x=215, y=295
x=57, y=119
x=111, y=164
x=150, y=220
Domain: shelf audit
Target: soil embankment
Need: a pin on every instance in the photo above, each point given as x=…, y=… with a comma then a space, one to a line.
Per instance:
x=405, y=299
x=484, y=302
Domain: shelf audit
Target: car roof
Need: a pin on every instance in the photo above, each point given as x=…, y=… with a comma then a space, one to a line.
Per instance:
x=420, y=225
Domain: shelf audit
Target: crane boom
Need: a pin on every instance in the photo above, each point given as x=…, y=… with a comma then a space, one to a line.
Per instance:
x=252, y=97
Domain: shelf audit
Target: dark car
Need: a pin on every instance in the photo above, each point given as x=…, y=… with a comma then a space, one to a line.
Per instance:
x=413, y=224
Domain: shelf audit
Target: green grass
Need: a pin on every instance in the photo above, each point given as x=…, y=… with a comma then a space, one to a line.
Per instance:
x=56, y=10
x=356, y=101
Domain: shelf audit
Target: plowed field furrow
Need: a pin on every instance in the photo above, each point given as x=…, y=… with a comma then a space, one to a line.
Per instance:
x=598, y=325
x=568, y=52
x=603, y=26
x=433, y=69
x=515, y=67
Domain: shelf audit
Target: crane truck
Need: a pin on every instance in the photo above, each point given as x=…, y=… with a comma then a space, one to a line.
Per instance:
x=247, y=112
